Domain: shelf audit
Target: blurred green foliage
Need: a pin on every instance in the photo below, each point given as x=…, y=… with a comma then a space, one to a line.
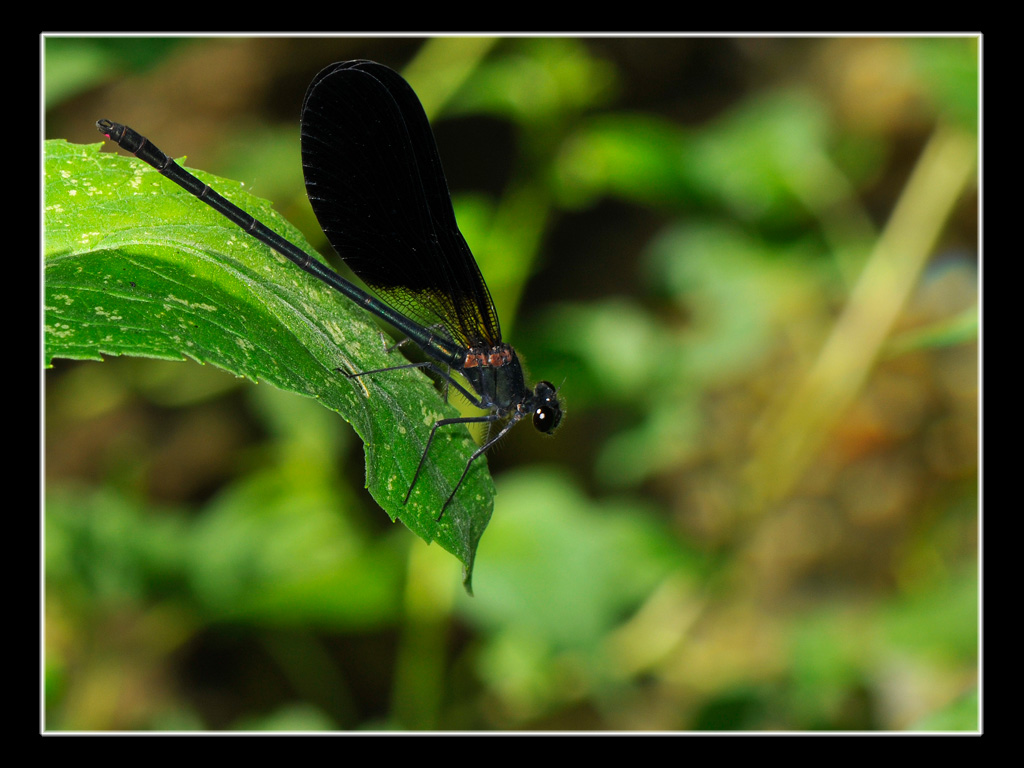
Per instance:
x=761, y=511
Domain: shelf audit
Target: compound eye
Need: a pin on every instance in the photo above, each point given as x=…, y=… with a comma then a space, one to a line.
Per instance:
x=547, y=412
x=545, y=419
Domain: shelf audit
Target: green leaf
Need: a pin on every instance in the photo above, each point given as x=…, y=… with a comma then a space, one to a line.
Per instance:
x=134, y=265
